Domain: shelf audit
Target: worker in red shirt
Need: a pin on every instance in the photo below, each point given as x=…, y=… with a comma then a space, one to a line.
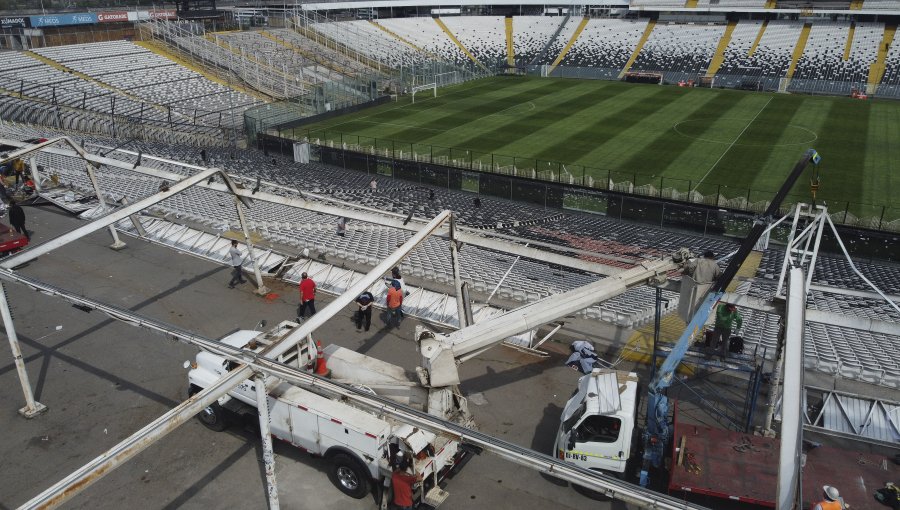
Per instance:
x=402, y=483
x=307, y=297
x=832, y=501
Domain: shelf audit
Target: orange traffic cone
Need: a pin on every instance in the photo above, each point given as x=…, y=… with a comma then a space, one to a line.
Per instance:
x=321, y=367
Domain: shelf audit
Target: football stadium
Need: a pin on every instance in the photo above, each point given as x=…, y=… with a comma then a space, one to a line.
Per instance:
x=636, y=254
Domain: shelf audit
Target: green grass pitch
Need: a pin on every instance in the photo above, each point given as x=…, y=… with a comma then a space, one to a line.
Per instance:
x=703, y=139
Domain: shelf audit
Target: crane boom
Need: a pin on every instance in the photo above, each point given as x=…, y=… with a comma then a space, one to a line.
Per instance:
x=442, y=353
x=657, y=434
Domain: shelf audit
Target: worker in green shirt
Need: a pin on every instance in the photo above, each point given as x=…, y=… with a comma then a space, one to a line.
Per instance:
x=726, y=317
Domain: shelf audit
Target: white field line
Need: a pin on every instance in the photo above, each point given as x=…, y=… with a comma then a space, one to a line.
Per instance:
x=738, y=137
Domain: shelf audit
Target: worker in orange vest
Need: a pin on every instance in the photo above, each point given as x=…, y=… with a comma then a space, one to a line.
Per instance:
x=832, y=501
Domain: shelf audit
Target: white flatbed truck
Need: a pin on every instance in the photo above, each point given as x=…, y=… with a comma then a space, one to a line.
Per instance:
x=358, y=444
x=598, y=423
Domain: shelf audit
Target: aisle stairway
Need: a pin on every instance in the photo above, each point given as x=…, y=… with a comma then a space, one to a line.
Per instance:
x=719, y=57
x=459, y=44
x=565, y=50
x=759, y=36
x=638, y=48
x=876, y=70
x=510, y=49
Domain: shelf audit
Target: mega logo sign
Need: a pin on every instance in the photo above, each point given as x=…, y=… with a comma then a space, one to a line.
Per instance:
x=14, y=22
x=112, y=16
x=60, y=20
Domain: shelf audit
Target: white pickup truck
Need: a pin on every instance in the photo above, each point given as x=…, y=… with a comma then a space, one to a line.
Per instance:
x=597, y=427
x=358, y=444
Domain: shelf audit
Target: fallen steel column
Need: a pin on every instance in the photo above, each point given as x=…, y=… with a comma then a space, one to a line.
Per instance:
x=32, y=408
x=96, y=469
x=117, y=243
x=262, y=408
x=457, y=280
x=261, y=288
x=357, y=212
x=124, y=212
x=137, y=442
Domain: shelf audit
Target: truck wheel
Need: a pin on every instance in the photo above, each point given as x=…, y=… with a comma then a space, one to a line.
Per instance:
x=212, y=416
x=348, y=476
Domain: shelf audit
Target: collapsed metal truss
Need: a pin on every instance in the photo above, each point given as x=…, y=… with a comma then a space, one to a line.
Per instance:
x=256, y=365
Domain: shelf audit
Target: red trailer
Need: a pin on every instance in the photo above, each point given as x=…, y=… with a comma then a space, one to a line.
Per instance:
x=742, y=467
x=10, y=240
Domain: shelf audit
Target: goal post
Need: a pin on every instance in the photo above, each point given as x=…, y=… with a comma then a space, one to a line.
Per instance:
x=418, y=88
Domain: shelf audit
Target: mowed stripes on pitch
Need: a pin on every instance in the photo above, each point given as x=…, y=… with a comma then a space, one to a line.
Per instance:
x=736, y=139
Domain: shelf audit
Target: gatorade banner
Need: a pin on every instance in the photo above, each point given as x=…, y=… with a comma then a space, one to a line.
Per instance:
x=163, y=14
x=112, y=17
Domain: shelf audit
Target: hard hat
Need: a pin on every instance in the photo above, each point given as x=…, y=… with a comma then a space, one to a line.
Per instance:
x=831, y=494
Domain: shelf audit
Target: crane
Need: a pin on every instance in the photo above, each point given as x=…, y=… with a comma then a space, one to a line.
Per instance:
x=657, y=432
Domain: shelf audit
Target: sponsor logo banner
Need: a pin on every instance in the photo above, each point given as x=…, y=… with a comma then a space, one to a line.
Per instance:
x=14, y=22
x=163, y=14
x=112, y=16
x=59, y=20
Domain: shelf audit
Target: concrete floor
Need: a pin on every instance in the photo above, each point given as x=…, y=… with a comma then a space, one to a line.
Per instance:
x=102, y=380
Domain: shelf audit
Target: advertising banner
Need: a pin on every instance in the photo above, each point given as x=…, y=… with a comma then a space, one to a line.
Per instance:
x=60, y=20
x=14, y=22
x=112, y=16
x=148, y=15
x=163, y=14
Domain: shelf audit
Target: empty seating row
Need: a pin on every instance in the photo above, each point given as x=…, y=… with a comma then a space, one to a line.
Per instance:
x=606, y=44
x=142, y=73
x=679, y=51
x=822, y=67
x=834, y=350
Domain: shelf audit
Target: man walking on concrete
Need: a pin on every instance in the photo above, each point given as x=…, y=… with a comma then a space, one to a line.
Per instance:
x=237, y=260
x=307, y=297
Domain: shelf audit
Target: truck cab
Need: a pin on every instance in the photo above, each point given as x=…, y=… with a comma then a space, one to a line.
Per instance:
x=597, y=426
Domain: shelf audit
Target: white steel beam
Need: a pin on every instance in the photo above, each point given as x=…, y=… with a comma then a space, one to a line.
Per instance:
x=818, y=316
x=792, y=407
x=32, y=408
x=521, y=456
x=262, y=409
x=442, y=353
x=261, y=289
x=457, y=280
x=334, y=207
x=109, y=219
x=102, y=465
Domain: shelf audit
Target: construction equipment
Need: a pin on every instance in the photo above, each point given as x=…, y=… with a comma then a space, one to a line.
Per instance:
x=658, y=431
x=361, y=454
